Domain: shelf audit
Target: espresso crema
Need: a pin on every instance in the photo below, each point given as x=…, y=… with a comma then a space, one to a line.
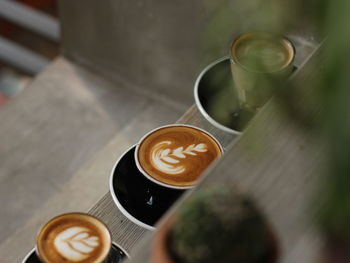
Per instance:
x=177, y=155
x=78, y=238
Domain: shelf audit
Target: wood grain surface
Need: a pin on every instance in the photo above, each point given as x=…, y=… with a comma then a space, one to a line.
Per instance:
x=126, y=233
x=276, y=160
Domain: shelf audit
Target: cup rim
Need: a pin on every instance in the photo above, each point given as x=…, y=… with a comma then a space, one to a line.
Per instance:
x=115, y=198
x=33, y=250
x=234, y=59
x=139, y=167
x=72, y=213
x=199, y=104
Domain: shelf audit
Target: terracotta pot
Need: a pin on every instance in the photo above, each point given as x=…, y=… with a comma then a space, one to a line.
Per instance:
x=335, y=251
x=273, y=249
x=160, y=251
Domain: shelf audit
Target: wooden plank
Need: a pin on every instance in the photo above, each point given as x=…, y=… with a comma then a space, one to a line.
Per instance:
x=52, y=167
x=278, y=163
x=126, y=233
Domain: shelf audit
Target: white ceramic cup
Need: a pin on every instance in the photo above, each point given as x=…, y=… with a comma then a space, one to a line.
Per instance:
x=139, y=166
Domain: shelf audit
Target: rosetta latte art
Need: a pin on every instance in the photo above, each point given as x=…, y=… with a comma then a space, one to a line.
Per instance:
x=75, y=243
x=170, y=160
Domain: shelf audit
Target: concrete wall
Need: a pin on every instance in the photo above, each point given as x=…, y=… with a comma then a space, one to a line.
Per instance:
x=159, y=46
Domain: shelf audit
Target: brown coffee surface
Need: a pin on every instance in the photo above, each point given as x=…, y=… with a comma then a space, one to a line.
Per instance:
x=262, y=52
x=177, y=155
x=77, y=238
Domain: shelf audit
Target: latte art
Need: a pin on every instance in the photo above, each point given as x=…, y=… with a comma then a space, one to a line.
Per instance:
x=76, y=243
x=168, y=161
x=176, y=155
x=74, y=238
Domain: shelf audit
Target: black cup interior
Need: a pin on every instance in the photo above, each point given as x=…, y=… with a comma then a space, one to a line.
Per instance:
x=142, y=199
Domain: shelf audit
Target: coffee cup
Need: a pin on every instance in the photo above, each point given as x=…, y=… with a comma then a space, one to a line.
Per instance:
x=74, y=238
x=116, y=255
x=260, y=61
x=175, y=156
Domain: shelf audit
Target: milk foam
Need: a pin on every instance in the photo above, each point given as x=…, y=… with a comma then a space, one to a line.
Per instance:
x=169, y=160
x=262, y=52
x=76, y=243
x=270, y=56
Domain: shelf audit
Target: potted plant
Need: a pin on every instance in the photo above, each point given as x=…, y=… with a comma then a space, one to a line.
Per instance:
x=334, y=217
x=216, y=225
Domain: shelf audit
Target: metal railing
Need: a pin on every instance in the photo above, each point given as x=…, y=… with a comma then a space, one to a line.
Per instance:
x=33, y=20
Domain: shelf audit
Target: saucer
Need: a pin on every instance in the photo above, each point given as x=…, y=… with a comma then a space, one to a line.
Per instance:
x=215, y=97
x=139, y=199
x=116, y=255
x=31, y=257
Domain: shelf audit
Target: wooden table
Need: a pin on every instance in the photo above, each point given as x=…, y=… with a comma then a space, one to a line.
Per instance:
x=127, y=233
x=275, y=160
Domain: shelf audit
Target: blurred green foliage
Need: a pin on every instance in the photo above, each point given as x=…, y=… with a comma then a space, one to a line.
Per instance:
x=334, y=87
x=220, y=225
x=330, y=85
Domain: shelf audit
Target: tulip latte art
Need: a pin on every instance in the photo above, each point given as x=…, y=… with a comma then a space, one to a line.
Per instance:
x=74, y=238
x=76, y=243
x=177, y=155
x=169, y=161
